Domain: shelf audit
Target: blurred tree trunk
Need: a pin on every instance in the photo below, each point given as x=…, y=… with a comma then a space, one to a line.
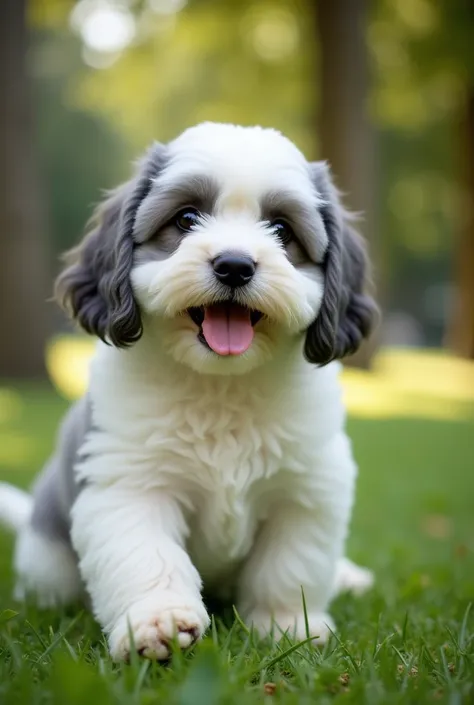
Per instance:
x=23, y=252
x=346, y=137
x=461, y=327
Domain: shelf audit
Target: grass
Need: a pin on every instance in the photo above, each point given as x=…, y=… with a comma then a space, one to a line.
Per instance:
x=410, y=640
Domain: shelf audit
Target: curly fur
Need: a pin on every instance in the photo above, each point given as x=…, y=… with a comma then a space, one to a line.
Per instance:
x=182, y=466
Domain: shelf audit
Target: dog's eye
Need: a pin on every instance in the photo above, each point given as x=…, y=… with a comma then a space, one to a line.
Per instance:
x=186, y=219
x=283, y=231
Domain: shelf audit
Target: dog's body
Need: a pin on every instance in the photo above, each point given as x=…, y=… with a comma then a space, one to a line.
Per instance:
x=210, y=448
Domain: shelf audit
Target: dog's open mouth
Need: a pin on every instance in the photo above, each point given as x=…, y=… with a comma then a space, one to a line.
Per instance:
x=226, y=328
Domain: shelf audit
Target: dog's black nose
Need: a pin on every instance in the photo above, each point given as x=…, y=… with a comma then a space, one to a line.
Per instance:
x=234, y=268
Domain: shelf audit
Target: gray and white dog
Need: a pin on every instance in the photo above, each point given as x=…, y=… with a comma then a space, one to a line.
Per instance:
x=223, y=282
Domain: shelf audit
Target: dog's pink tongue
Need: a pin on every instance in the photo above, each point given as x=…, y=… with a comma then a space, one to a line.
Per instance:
x=227, y=329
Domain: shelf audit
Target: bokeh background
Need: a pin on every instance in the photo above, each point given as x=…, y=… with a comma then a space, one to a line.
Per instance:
x=384, y=90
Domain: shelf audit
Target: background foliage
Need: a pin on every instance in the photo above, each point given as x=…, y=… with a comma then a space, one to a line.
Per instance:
x=256, y=61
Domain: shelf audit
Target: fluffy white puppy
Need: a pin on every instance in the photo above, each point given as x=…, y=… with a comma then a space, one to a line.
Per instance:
x=224, y=281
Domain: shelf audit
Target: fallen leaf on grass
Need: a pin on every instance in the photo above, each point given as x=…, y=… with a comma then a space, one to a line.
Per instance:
x=437, y=526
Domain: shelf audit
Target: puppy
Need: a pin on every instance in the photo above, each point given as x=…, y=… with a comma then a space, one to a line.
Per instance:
x=223, y=282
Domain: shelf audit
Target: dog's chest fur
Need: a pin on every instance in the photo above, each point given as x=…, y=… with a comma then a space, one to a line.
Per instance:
x=229, y=449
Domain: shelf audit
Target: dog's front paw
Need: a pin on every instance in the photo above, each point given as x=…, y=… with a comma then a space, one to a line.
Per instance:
x=320, y=625
x=154, y=624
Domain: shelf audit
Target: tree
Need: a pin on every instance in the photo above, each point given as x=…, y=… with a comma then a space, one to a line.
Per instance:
x=23, y=249
x=461, y=329
x=460, y=334
x=346, y=135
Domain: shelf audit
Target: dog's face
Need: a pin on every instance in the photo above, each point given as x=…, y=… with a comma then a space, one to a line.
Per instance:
x=225, y=245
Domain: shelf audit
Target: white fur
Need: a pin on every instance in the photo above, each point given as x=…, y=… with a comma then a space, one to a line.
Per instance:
x=200, y=462
x=15, y=506
x=352, y=578
x=46, y=569
x=233, y=470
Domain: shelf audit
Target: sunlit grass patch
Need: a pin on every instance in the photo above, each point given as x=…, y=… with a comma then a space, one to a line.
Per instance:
x=411, y=383
x=67, y=360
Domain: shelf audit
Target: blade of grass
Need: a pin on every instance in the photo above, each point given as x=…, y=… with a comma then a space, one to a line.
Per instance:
x=214, y=634
x=38, y=636
x=463, y=630
x=305, y=613
x=354, y=663
x=72, y=653
x=400, y=656
x=284, y=654
x=140, y=679
x=241, y=624
x=60, y=637
x=7, y=615
x=405, y=627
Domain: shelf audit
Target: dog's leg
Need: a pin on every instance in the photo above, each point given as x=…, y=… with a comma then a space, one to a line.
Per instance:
x=298, y=550
x=142, y=583
x=45, y=564
x=46, y=569
x=353, y=578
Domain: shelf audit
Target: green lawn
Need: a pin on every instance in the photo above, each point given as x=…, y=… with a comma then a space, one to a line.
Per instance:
x=409, y=641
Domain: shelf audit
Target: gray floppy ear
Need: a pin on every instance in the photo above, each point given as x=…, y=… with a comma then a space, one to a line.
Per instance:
x=95, y=287
x=348, y=313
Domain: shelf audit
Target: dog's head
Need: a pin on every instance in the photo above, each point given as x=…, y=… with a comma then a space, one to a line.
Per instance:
x=225, y=246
